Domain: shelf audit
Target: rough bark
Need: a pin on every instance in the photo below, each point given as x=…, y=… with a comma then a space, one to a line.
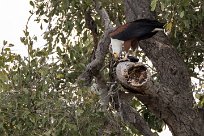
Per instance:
x=93, y=70
x=95, y=66
x=131, y=116
x=170, y=98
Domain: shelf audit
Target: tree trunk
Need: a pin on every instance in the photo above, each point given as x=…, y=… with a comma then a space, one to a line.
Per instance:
x=170, y=97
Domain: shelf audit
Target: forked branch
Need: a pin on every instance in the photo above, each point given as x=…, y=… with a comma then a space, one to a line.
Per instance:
x=95, y=66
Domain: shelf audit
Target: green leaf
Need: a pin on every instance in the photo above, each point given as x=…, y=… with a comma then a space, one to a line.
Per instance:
x=79, y=112
x=186, y=23
x=168, y=26
x=72, y=126
x=31, y=3
x=26, y=33
x=48, y=133
x=59, y=51
x=162, y=6
x=22, y=39
x=35, y=38
x=41, y=27
x=181, y=14
x=11, y=45
x=1, y=125
x=45, y=20
x=7, y=49
x=3, y=76
x=59, y=76
x=41, y=53
x=5, y=42
x=153, y=4
x=185, y=2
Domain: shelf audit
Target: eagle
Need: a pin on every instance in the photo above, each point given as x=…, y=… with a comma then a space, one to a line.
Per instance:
x=131, y=33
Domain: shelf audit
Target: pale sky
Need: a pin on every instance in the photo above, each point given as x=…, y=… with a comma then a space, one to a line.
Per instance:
x=13, y=17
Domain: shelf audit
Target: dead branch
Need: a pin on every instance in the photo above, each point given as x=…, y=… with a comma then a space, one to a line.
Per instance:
x=133, y=76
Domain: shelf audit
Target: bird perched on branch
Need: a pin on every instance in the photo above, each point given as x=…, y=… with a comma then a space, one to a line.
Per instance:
x=131, y=33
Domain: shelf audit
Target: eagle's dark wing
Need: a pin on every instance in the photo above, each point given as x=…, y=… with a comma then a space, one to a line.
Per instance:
x=139, y=29
x=119, y=30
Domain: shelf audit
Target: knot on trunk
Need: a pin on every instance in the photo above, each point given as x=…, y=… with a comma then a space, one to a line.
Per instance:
x=133, y=76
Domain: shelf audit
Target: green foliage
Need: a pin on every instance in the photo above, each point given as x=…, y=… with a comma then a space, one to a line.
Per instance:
x=185, y=22
x=154, y=122
x=200, y=97
x=39, y=94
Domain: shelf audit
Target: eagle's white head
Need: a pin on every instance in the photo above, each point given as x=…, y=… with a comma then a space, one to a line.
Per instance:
x=116, y=46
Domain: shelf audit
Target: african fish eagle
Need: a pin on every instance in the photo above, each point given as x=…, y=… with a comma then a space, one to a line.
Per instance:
x=131, y=33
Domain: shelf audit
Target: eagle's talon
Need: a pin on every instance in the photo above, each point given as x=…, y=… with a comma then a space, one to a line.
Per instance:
x=129, y=58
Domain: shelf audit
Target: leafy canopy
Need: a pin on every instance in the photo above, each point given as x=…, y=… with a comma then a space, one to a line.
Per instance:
x=39, y=94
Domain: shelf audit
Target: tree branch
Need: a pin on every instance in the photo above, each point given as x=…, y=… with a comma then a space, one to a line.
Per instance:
x=137, y=11
x=173, y=101
x=94, y=67
x=136, y=79
x=133, y=76
x=131, y=116
x=104, y=15
x=103, y=91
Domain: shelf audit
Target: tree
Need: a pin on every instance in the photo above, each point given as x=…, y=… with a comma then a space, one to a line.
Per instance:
x=44, y=94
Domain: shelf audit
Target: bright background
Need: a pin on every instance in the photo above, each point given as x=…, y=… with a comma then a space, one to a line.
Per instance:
x=13, y=18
